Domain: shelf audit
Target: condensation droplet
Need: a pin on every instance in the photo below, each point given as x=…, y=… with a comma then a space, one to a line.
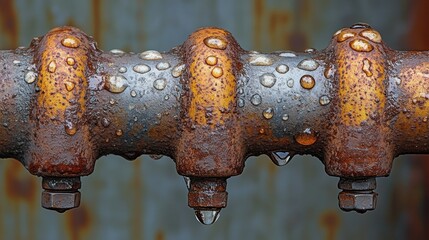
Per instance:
x=16, y=62
x=306, y=137
x=324, y=100
x=268, y=113
x=112, y=101
x=69, y=86
x=52, y=66
x=344, y=36
x=371, y=35
x=397, y=80
x=178, y=70
x=141, y=68
x=216, y=43
x=240, y=102
x=287, y=54
x=280, y=158
x=267, y=80
x=116, y=83
x=187, y=182
x=307, y=82
x=207, y=217
x=211, y=60
x=160, y=84
x=70, y=42
x=117, y=52
x=256, y=99
x=361, y=45
x=162, y=66
x=310, y=50
x=282, y=68
x=30, y=77
x=70, y=61
x=308, y=65
x=119, y=132
x=122, y=70
x=329, y=72
x=366, y=67
x=285, y=117
x=133, y=93
x=360, y=25
x=290, y=82
x=425, y=119
x=70, y=128
x=166, y=97
x=339, y=31
x=260, y=60
x=217, y=72
x=155, y=156
x=105, y=122
x=150, y=55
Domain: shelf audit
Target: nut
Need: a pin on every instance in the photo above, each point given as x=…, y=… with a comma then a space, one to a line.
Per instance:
x=60, y=201
x=364, y=184
x=357, y=201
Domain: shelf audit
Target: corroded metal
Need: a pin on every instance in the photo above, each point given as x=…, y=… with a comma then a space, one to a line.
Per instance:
x=209, y=105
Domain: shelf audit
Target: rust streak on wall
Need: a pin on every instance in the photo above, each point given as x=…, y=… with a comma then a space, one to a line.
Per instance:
x=330, y=221
x=78, y=222
x=137, y=221
x=258, y=11
x=9, y=22
x=96, y=20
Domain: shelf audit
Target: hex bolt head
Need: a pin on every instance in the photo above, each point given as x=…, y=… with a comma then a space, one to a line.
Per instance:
x=364, y=184
x=357, y=201
x=60, y=201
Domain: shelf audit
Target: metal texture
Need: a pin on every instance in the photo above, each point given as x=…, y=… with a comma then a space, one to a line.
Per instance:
x=355, y=105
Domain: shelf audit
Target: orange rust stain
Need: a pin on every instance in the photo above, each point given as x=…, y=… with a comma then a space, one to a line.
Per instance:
x=363, y=95
x=137, y=220
x=258, y=11
x=213, y=92
x=278, y=22
x=9, y=22
x=19, y=184
x=330, y=221
x=54, y=71
x=159, y=235
x=96, y=19
x=78, y=222
x=418, y=36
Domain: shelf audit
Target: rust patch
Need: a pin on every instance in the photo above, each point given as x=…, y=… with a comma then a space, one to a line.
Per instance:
x=78, y=222
x=19, y=185
x=96, y=20
x=330, y=222
x=160, y=235
x=9, y=21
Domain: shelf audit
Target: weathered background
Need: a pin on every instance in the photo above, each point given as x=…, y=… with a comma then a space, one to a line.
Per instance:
x=146, y=199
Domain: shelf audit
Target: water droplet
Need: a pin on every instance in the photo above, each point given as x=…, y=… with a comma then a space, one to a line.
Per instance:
x=211, y=60
x=187, y=182
x=160, y=84
x=344, y=36
x=69, y=85
x=133, y=93
x=366, y=67
x=360, y=25
x=70, y=42
x=151, y=55
x=166, y=97
x=241, y=102
x=178, y=70
x=112, y=101
x=307, y=82
x=207, y=217
x=122, y=70
x=105, y=122
x=260, y=60
x=30, y=77
x=163, y=66
x=52, y=66
x=155, y=156
x=287, y=54
x=16, y=62
x=397, y=80
x=361, y=45
x=216, y=43
x=256, y=99
x=329, y=71
x=339, y=31
x=70, y=61
x=310, y=50
x=280, y=158
x=217, y=72
x=306, y=138
x=141, y=68
x=285, y=117
x=116, y=83
x=290, y=82
x=425, y=119
x=70, y=128
x=267, y=80
x=268, y=113
x=324, y=100
x=117, y=52
x=371, y=35
x=308, y=64
x=282, y=68
x=119, y=132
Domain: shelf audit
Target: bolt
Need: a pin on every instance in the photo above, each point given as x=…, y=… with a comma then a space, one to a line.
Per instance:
x=357, y=194
x=60, y=194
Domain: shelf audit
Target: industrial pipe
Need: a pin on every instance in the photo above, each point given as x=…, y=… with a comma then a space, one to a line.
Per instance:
x=209, y=105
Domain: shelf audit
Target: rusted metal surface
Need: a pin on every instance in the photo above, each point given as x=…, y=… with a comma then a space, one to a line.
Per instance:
x=270, y=199
x=209, y=105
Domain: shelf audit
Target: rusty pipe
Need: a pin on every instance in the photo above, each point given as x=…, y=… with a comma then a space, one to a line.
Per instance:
x=209, y=105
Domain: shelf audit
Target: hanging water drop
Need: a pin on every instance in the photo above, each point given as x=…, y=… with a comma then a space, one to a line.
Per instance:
x=207, y=217
x=280, y=158
x=187, y=182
